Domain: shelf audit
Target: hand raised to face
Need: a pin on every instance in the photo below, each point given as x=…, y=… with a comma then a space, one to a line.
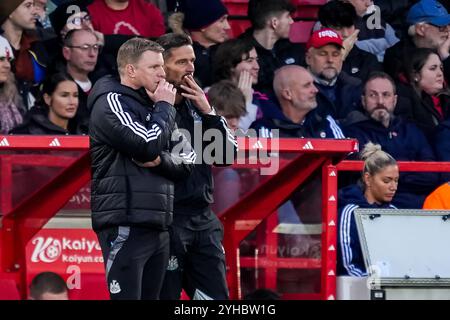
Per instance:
x=194, y=93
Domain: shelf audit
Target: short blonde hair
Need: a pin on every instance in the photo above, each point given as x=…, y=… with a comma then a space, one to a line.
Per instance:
x=131, y=51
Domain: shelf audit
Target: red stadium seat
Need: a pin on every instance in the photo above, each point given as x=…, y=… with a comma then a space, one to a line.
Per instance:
x=238, y=26
x=301, y=31
x=236, y=7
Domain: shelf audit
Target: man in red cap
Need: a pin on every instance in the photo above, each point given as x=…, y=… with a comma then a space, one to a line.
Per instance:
x=339, y=93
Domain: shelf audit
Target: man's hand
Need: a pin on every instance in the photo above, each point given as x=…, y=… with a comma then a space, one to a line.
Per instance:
x=245, y=85
x=444, y=49
x=349, y=43
x=164, y=92
x=148, y=164
x=196, y=94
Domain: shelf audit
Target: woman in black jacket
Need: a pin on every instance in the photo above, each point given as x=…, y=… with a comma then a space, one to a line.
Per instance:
x=429, y=98
x=58, y=106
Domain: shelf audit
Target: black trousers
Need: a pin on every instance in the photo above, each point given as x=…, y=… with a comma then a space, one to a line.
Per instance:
x=135, y=261
x=196, y=264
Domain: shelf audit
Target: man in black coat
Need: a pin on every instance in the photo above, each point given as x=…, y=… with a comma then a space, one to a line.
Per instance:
x=133, y=139
x=197, y=259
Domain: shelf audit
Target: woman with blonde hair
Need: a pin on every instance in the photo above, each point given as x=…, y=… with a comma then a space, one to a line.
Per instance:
x=11, y=107
x=376, y=190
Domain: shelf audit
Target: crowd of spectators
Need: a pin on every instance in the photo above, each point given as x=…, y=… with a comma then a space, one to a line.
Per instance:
x=377, y=72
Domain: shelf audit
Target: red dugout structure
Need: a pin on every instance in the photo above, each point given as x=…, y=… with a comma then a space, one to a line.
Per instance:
x=40, y=174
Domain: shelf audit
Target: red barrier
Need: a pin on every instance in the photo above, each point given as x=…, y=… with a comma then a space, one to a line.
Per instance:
x=66, y=164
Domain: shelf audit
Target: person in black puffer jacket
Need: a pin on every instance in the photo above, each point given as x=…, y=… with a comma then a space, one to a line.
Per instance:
x=133, y=138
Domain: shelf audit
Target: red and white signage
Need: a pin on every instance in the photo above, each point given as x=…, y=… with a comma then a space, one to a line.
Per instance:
x=75, y=254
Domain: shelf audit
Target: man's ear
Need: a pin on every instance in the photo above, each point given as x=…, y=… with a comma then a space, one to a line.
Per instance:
x=66, y=53
x=420, y=29
x=130, y=70
x=286, y=94
x=274, y=22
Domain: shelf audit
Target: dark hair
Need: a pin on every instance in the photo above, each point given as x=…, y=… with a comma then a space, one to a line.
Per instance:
x=53, y=80
x=46, y=282
x=416, y=63
x=228, y=55
x=228, y=99
x=337, y=14
x=380, y=75
x=173, y=40
x=260, y=10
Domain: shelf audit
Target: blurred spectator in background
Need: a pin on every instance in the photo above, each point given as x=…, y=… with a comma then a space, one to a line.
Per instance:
x=375, y=35
x=439, y=199
x=429, y=98
x=296, y=116
x=42, y=20
x=237, y=60
x=339, y=93
x=48, y=286
x=428, y=24
x=377, y=189
x=269, y=33
x=401, y=139
x=127, y=17
x=207, y=24
x=394, y=12
x=80, y=50
x=341, y=17
x=18, y=21
x=74, y=14
x=229, y=102
x=11, y=107
x=53, y=115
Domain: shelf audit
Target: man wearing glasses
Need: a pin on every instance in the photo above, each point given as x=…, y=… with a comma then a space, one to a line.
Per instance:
x=80, y=51
x=429, y=27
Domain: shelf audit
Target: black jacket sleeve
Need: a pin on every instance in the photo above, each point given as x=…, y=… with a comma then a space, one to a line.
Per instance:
x=222, y=143
x=177, y=164
x=115, y=121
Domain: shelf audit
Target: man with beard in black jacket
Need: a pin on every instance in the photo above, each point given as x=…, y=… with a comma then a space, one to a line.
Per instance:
x=133, y=139
x=197, y=259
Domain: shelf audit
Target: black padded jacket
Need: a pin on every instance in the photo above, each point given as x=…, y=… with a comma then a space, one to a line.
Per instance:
x=126, y=128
